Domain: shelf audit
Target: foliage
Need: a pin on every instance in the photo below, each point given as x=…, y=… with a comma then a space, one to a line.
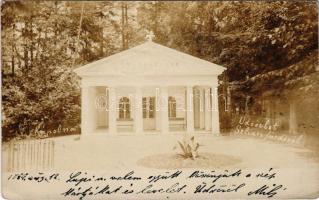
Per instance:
x=251, y=39
x=189, y=148
x=43, y=41
x=216, y=31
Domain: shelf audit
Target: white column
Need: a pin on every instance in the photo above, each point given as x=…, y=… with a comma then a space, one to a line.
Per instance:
x=202, y=108
x=215, y=111
x=190, y=110
x=138, y=119
x=164, y=110
x=158, y=110
x=112, y=111
x=85, y=110
x=196, y=108
x=106, y=106
x=208, y=116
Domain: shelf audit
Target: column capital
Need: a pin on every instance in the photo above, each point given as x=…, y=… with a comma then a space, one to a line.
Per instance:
x=214, y=86
x=163, y=87
x=83, y=86
x=138, y=88
x=111, y=87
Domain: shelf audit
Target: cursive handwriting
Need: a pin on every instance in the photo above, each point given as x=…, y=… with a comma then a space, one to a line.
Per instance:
x=168, y=175
x=266, y=190
x=39, y=178
x=203, y=188
x=81, y=185
x=175, y=188
x=77, y=178
x=215, y=177
x=129, y=176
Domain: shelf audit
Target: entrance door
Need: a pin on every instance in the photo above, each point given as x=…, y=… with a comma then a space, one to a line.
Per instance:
x=149, y=113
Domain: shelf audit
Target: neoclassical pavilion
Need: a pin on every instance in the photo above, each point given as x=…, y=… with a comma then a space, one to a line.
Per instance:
x=149, y=88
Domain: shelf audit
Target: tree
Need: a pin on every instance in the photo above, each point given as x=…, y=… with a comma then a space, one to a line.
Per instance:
x=43, y=41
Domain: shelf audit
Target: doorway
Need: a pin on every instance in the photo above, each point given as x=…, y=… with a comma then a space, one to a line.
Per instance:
x=149, y=113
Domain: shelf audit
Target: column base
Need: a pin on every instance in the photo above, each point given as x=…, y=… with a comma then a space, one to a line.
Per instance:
x=215, y=133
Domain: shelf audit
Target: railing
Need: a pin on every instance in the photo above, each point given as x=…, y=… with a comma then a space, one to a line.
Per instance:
x=29, y=155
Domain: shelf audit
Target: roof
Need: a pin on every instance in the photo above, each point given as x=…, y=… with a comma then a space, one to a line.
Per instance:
x=149, y=59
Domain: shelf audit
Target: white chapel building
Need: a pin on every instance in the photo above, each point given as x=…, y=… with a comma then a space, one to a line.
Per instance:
x=148, y=89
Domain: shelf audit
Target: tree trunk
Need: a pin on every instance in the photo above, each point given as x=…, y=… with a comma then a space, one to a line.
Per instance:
x=55, y=23
x=292, y=118
x=156, y=18
x=12, y=65
x=32, y=42
x=228, y=106
x=126, y=26
x=13, y=52
x=25, y=58
x=30, y=35
x=246, y=105
x=123, y=27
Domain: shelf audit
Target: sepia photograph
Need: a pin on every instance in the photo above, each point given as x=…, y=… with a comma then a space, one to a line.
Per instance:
x=159, y=100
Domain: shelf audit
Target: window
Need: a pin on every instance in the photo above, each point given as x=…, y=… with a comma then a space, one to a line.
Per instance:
x=148, y=107
x=144, y=107
x=151, y=107
x=124, y=108
x=171, y=107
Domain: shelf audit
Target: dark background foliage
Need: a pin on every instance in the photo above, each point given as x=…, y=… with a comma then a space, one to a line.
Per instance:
x=42, y=42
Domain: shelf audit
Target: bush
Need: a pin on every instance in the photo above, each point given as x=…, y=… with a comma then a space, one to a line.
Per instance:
x=189, y=148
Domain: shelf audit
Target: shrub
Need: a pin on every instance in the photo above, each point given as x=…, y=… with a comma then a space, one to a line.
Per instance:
x=189, y=148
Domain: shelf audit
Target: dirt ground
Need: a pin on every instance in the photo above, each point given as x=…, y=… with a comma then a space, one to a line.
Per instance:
x=296, y=167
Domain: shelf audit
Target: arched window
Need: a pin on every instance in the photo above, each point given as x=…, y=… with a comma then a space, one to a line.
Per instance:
x=171, y=107
x=124, y=108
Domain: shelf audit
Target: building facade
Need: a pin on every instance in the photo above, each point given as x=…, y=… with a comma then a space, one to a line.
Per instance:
x=149, y=88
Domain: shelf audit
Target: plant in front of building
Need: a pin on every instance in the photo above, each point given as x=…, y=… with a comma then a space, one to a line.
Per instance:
x=189, y=148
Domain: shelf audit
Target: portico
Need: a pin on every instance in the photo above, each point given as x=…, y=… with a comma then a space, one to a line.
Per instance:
x=149, y=89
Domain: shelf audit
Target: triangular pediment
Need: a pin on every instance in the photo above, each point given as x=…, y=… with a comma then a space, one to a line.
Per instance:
x=149, y=59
